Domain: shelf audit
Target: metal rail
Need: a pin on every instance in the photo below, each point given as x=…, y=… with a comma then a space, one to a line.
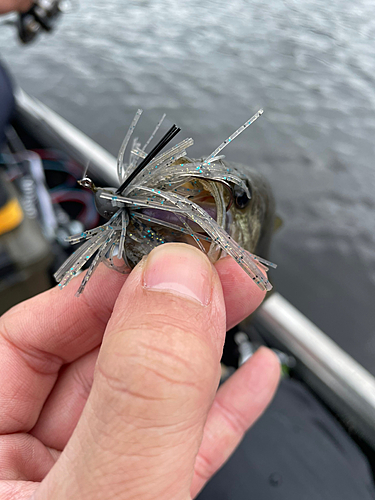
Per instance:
x=344, y=385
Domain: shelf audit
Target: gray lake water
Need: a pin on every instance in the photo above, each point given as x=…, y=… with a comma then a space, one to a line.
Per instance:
x=210, y=65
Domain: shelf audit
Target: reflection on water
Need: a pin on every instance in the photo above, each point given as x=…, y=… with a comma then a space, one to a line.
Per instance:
x=210, y=65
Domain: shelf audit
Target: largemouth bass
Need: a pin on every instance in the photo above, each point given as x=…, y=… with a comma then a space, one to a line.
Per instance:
x=221, y=208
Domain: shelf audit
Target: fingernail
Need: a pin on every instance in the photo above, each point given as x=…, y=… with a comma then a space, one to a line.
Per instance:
x=180, y=269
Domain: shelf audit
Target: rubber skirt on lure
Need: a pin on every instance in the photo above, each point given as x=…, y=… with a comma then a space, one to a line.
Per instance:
x=164, y=196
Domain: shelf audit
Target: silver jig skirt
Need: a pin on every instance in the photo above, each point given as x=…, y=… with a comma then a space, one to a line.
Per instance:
x=170, y=183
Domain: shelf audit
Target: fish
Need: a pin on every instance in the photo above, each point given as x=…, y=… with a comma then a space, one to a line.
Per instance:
x=220, y=207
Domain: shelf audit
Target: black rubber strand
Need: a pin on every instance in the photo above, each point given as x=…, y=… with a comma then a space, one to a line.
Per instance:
x=172, y=132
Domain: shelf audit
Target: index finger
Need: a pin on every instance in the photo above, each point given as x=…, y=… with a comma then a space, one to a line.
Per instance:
x=39, y=335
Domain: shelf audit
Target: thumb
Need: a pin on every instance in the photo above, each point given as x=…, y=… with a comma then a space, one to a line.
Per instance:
x=155, y=380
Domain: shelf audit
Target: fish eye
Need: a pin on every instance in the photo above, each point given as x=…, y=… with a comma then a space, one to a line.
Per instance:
x=240, y=197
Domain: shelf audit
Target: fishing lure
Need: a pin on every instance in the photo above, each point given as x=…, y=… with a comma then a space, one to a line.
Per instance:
x=163, y=196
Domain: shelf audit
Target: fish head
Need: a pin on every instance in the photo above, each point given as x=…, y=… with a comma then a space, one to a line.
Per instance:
x=250, y=219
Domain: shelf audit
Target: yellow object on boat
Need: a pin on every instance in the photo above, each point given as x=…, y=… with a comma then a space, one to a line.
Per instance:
x=11, y=216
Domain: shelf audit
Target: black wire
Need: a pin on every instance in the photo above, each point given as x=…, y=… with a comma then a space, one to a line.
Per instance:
x=172, y=132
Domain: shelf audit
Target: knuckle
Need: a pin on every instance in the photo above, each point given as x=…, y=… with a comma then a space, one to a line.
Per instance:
x=204, y=467
x=40, y=361
x=82, y=382
x=234, y=420
x=156, y=361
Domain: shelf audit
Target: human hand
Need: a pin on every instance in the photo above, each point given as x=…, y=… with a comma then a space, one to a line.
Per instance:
x=15, y=6
x=133, y=414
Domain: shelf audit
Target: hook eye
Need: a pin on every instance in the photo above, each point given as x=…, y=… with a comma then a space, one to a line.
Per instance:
x=86, y=182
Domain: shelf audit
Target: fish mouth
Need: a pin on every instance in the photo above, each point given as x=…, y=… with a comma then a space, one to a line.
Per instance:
x=181, y=227
x=179, y=220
